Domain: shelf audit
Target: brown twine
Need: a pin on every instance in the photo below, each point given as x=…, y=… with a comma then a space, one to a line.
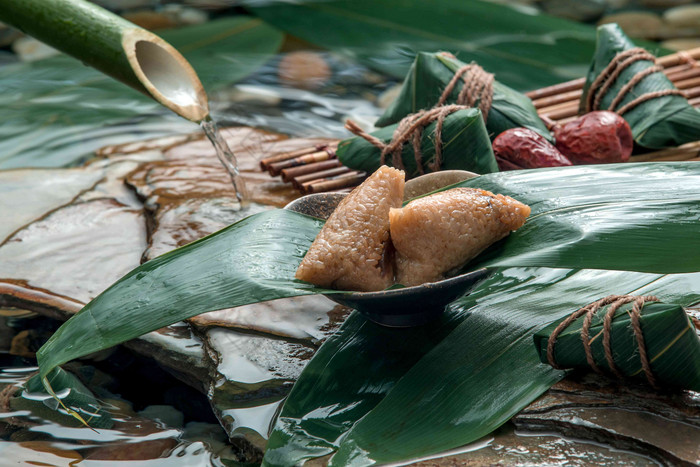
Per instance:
x=602, y=84
x=410, y=129
x=478, y=87
x=615, y=302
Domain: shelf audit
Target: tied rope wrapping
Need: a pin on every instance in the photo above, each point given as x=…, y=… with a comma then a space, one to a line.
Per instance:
x=410, y=129
x=478, y=87
x=615, y=302
x=601, y=85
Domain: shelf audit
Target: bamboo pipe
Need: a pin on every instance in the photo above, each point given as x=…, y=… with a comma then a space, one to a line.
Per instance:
x=115, y=47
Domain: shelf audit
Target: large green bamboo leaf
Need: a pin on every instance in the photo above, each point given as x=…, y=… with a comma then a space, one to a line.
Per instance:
x=525, y=49
x=488, y=368
x=618, y=216
x=464, y=386
x=57, y=111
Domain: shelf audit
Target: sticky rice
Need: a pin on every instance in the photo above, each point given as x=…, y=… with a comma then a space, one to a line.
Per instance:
x=352, y=251
x=438, y=233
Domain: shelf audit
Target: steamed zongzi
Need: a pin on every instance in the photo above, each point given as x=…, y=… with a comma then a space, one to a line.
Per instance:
x=440, y=232
x=350, y=251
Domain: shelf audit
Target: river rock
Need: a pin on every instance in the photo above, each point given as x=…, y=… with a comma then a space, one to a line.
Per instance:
x=507, y=446
x=121, y=5
x=304, y=69
x=151, y=20
x=184, y=16
x=8, y=35
x=576, y=10
x=639, y=24
x=388, y=96
x=664, y=426
x=663, y=4
x=687, y=16
x=87, y=228
x=681, y=44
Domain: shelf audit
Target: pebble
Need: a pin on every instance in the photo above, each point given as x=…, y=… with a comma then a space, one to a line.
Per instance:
x=663, y=3
x=617, y=3
x=637, y=23
x=150, y=20
x=185, y=16
x=250, y=95
x=29, y=49
x=210, y=4
x=576, y=10
x=681, y=44
x=306, y=70
x=683, y=17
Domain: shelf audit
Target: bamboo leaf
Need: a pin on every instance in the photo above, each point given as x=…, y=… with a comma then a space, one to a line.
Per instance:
x=482, y=373
x=487, y=369
x=57, y=111
x=617, y=225
x=526, y=50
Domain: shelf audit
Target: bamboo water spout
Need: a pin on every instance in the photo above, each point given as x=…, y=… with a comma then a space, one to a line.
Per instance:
x=115, y=47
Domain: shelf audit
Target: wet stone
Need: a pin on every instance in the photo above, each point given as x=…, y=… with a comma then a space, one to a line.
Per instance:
x=507, y=446
x=89, y=245
x=245, y=359
x=664, y=426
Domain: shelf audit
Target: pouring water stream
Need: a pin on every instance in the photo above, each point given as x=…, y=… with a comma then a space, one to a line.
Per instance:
x=226, y=156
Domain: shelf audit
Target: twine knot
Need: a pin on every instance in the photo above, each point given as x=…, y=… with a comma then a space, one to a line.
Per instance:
x=615, y=302
x=478, y=87
x=609, y=75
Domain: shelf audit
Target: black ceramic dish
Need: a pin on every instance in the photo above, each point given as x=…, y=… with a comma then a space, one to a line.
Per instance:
x=401, y=307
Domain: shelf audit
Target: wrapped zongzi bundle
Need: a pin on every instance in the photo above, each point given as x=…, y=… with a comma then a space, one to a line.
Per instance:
x=433, y=73
x=653, y=341
x=624, y=79
x=446, y=138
